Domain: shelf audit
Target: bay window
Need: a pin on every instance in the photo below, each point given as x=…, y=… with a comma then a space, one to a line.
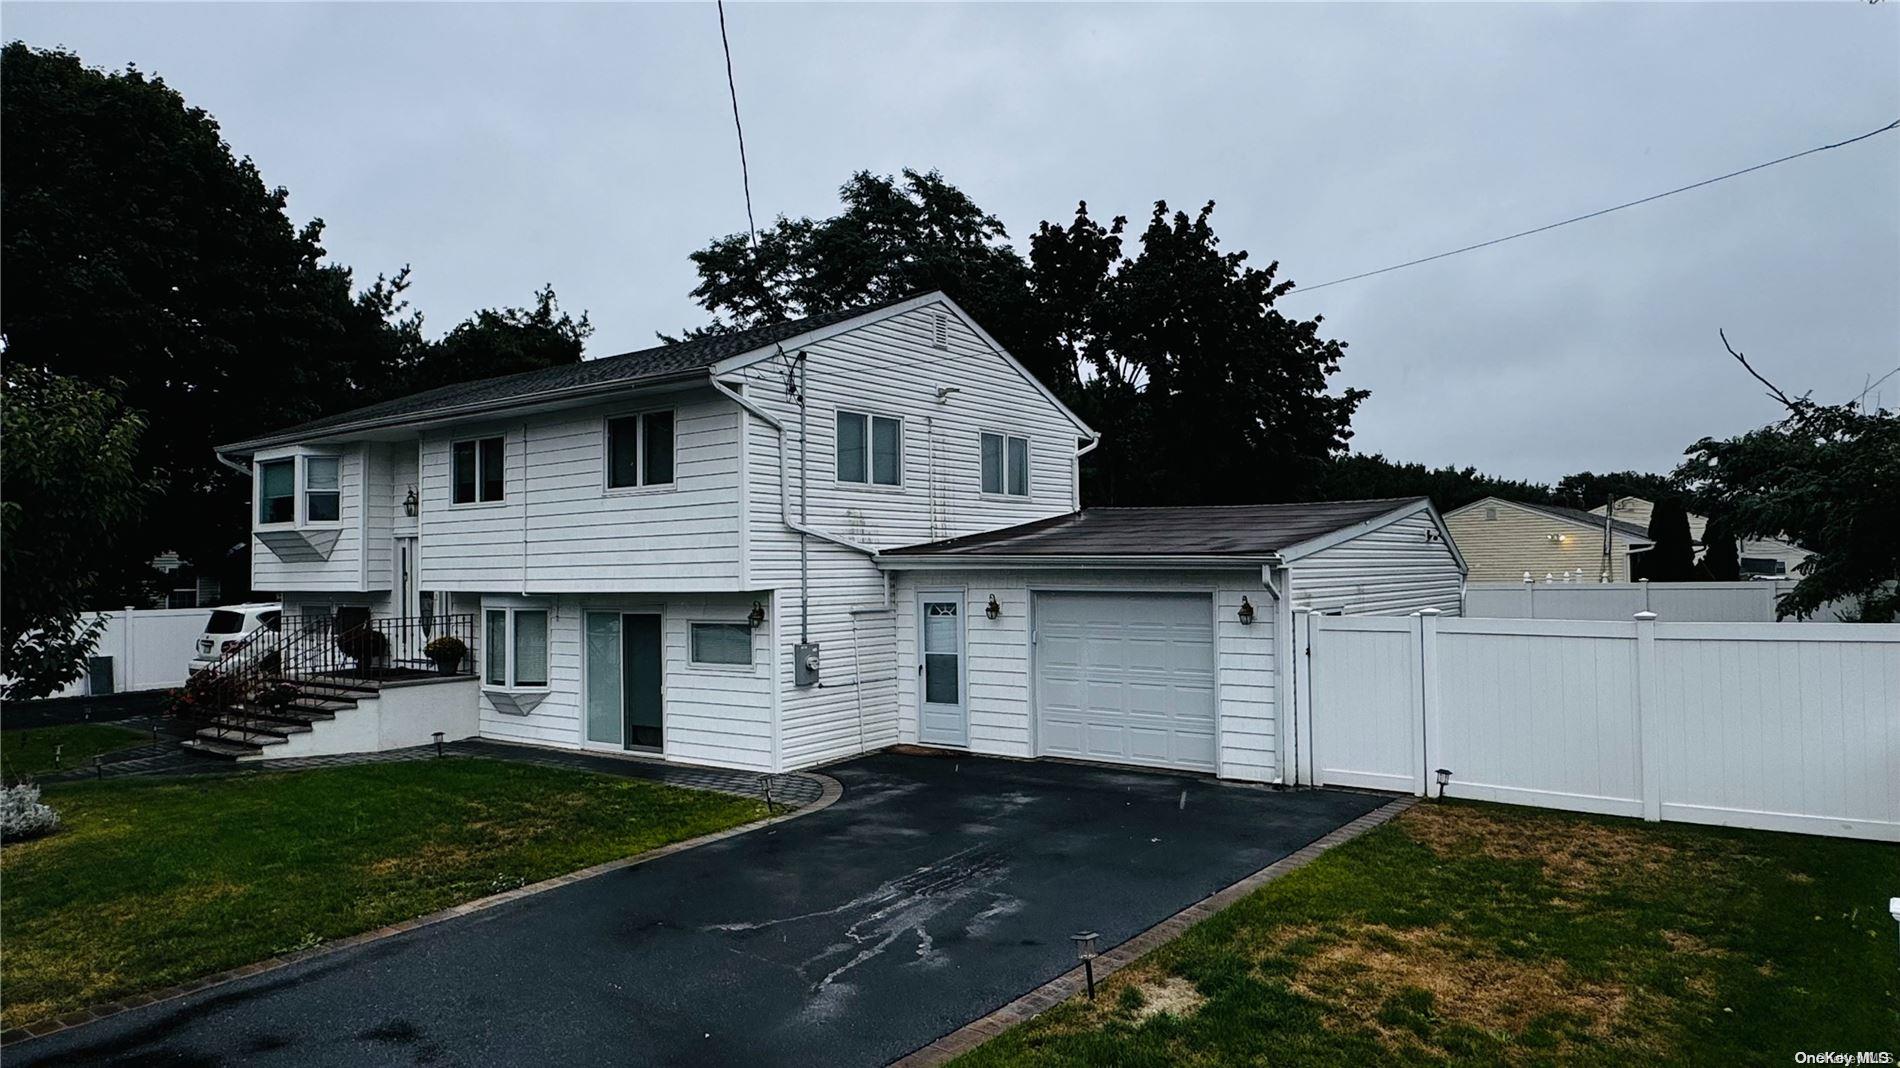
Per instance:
x=277, y=491
x=515, y=648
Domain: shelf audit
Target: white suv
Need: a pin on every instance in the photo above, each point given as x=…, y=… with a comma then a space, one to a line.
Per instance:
x=227, y=629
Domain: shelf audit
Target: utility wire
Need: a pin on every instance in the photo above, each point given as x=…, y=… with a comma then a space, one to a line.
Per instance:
x=1591, y=215
x=745, y=177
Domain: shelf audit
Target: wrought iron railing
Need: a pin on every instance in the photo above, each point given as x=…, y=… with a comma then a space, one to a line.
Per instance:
x=314, y=656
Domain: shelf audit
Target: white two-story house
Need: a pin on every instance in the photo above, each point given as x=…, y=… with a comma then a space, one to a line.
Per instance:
x=778, y=547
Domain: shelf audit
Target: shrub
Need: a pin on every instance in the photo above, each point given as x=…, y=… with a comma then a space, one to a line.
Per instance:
x=23, y=816
x=209, y=693
x=363, y=644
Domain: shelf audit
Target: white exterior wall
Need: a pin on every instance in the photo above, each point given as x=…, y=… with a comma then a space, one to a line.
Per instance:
x=998, y=653
x=713, y=714
x=344, y=570
x=379, y=517
x=1392, y=570
x=888, y=367
x=559, y=529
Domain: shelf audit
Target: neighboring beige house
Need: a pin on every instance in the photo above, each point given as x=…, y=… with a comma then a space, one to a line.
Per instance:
x=1764, y=557
x=1502, y=540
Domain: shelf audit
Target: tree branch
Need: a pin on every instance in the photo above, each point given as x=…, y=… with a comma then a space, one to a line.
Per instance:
x=1774, y=391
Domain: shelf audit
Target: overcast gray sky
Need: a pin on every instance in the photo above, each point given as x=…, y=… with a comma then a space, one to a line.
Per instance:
x=497, y=147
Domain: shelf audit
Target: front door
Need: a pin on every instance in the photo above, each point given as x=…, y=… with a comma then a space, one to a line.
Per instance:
x=409, y=636
x=941, y=719
x=624, y=706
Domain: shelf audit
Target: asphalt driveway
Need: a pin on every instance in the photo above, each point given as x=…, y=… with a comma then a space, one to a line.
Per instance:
x=933, y=892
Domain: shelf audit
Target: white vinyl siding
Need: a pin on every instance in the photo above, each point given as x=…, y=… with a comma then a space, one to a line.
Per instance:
x=999, y=652
x=1392, y=570
x=559, y=530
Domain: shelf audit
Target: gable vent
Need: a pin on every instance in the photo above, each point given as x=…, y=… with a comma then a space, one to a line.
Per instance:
x=940, y=331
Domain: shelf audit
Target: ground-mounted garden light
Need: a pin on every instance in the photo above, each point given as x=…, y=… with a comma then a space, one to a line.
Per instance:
x=757, y=616
x=438, y=742
x=1246, y=612
x=993, y=610
x=1444, y=777
x=1085, y=952
x=1893, y=908
x=410, y=504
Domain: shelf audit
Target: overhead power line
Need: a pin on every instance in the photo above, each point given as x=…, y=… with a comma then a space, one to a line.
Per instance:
x=1594, y=214
x=745, y=176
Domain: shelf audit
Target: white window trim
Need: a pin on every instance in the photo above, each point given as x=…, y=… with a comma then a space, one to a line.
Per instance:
x=870, y=460
x=299, y=461
x=477, y=442
x=508, y=685
x=607, y=488
x=1029, y=465
x=750, y=667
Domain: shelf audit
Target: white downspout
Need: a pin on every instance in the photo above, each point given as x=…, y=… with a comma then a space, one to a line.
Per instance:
x=1075, y=473
x=784, y=489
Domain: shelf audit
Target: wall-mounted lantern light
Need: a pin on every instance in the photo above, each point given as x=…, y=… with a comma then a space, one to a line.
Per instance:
x=410, y=505
x=757, y=616
x=1246, y=612
x=993, y=610
x=1556, y=539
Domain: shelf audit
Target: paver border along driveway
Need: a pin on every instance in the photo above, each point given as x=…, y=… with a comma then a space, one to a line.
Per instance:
x=936, y=890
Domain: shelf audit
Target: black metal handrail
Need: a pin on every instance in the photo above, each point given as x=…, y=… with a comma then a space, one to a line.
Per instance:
x=314, y=656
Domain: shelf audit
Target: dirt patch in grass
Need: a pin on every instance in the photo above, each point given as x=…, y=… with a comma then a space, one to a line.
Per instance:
x=1170, y=994
x=1581, y=857
x=1391, y=980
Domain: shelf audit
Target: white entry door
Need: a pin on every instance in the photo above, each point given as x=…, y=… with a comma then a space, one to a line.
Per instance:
x=410, y=636
x=943, y=716
x=1126, y=678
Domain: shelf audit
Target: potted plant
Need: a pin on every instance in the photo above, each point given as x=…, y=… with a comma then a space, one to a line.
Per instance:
x=447, y=652
x=364, y=645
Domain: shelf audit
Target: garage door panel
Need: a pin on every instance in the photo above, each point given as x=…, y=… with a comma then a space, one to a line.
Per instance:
x=1127, y=678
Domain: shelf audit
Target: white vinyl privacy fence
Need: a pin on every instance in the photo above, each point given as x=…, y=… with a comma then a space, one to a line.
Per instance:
x=1793, y=728
x=1677, y=602
x=149, y=649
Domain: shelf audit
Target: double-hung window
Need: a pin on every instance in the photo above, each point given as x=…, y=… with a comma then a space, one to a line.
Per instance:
x=515, y=648
x=1005, y=461
x=322, y=492
x=476, y=471
x=640, y=450
x=870, y=449
x=277, y=491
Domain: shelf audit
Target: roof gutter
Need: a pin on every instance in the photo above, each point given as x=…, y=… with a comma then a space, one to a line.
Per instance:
x=1073, y=561
x=454, y=412
x=784, y=488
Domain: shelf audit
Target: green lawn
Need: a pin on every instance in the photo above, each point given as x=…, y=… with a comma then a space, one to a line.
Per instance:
x=154, y=882
x=1468, y=934
x=28, y=752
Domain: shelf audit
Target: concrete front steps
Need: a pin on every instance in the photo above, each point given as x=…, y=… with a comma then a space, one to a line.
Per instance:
x=332, y=716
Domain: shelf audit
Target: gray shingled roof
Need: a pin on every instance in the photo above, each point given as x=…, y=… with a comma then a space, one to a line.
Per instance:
x=657, y=363
x=1240, y=530
x=1592, y=519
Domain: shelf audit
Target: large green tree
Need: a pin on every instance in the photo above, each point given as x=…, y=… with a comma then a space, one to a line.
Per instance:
x=69, y=490
x=1206, y=392
x=141, y=251
x=1826, y=477
x=1359, y=475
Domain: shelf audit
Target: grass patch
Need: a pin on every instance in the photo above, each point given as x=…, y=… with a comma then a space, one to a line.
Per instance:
x=155, y=882
x=1481, y=934
x=27, y=753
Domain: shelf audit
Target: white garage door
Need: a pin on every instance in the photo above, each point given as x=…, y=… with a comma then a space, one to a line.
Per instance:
x=1126, y=677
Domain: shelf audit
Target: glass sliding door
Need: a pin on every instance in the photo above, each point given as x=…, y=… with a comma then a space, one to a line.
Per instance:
x=623, y=696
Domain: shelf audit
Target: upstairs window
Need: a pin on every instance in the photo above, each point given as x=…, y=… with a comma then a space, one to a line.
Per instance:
x=277, y=491
x=870, y=449
x=1005, y=461
x=640, y=450
x=477, y=471
x=322, y=499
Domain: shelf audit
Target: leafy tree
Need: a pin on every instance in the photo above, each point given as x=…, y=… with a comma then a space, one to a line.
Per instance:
x=1208, y=392
x=1826, y=477
x=1589, y=490
x=1358, y=475
x=501, y=341
x=1721, y=556
x=71, y=490
x=1672, y=558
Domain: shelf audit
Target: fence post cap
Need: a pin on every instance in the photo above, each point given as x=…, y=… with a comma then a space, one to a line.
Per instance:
x=1429, y=611
x=1300, y=609
x=1645, y=617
